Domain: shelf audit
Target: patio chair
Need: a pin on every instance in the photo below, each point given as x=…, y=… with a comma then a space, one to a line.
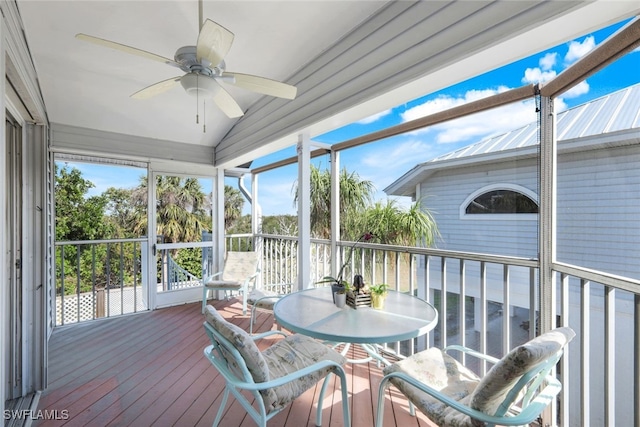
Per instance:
x=240, y=269
x=263, y=299
x=274, y=377
x=450, y=394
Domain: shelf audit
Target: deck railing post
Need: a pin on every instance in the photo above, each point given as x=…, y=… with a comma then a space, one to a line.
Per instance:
x=100, y=303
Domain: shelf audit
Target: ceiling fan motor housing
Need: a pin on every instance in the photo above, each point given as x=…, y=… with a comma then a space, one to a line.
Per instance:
x=197, y=84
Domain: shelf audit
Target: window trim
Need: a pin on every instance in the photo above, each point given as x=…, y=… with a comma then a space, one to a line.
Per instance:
x=496, y=216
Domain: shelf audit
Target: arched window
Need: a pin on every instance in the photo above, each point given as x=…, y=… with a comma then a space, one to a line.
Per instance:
x=505, y=200
x=501, y=201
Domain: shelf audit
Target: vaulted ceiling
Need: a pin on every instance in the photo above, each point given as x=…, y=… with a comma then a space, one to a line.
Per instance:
x=348, y=59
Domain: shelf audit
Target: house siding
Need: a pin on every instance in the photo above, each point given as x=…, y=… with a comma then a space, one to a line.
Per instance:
x=598, y=206
x=444, y=193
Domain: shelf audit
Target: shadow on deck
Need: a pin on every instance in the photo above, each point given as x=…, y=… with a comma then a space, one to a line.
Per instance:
x=148, y=369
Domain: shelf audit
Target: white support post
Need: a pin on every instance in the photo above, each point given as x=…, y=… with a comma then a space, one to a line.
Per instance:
x=218, y=223
x=256, y=225
x=547, y=228
x=547, y=216
x=304, y=211
x=335, y=212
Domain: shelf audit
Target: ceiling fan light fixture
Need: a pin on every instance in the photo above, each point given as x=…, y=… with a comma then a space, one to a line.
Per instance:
x=199, y=85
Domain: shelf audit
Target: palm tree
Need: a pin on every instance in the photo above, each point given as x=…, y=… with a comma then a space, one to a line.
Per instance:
x=180, y=208
x=396, y=226
x=233, y=204
x=355, y=196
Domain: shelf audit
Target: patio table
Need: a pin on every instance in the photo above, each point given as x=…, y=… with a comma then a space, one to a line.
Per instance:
x=312, y=312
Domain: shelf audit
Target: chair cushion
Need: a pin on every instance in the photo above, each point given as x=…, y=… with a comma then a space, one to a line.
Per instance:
x=501, y=378
x=290, y=355
x=262, y=298
x=239, y=266
x=222, y=284
x=242, y=341
x=442, y=372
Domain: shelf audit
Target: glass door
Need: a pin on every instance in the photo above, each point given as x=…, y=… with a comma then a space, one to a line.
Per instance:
x=183, y=249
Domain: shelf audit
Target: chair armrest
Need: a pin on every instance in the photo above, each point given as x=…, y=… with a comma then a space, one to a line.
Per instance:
x=267, y=334
x=245, y=385
x=526, y=416
x=473, y=353
x=267, y=297
x=292, y=376
x=211, y=276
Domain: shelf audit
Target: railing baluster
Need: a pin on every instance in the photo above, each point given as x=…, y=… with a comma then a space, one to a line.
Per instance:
x=483, y=315
x=62, y=306
x=93, y=282
x=135, y=277
x=78, y=277
x=610, y=356
x=564, y=363
x=585, y=343
x=636, y=363
x=121, y=278
x=108, y=284
x=442, y=324
x=506, y=309
x=463, y=307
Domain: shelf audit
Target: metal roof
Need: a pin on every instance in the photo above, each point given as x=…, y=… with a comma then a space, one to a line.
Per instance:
x=618, y=111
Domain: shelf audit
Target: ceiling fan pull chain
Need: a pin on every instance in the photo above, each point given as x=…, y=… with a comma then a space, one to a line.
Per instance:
x=197, y=102
x=204, y=116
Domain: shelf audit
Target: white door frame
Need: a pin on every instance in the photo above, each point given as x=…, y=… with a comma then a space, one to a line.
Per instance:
x=179, y=296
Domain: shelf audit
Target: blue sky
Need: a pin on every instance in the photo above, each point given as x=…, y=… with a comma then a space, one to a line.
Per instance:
x=385, y=161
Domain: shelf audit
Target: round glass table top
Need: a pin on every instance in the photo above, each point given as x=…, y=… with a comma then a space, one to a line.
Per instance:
x=312, y=312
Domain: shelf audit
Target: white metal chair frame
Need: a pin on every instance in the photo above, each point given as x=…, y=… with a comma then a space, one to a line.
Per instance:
x=235, y=385
x=243, y=288
x=533, y=402
x=255, y=304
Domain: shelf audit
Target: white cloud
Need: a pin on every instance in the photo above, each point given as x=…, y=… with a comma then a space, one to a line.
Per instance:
x=548, y=61
x=487, y=123
x=445, y=102
x=578, y=49
x=474, y=127
x=537, y=75
x=579, y=89
x=374, y=117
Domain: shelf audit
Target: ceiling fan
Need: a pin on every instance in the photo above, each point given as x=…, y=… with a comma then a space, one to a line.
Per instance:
x=205, y=68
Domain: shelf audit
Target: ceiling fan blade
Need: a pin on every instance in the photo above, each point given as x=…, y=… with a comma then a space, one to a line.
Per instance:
x=156, y=88
x=262, y=85
x=214, y=42
x=227, y=104
x=127, y=49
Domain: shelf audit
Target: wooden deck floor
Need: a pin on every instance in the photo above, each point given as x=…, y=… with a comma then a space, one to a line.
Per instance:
x=148, y=369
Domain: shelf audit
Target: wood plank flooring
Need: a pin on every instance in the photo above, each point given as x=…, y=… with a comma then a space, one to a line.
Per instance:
x=148, y=369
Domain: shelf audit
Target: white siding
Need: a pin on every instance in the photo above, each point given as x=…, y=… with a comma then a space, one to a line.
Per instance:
x=444, y=193
x=599, y=210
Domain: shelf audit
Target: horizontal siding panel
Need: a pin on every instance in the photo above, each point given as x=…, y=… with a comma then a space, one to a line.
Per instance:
x=598, y=207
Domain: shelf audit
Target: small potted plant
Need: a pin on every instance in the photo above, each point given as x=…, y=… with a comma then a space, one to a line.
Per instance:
x=378, y=295
x=337, y=283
